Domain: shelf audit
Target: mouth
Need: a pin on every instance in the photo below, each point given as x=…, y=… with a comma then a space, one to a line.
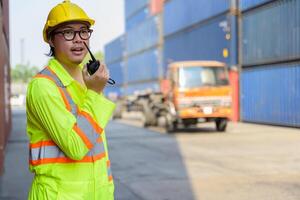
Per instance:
x=77, y=50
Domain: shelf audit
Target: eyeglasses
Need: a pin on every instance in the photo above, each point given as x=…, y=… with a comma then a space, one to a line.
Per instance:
x=71, y=34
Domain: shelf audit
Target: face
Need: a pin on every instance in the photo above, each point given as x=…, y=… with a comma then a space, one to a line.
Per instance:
x=69, y=52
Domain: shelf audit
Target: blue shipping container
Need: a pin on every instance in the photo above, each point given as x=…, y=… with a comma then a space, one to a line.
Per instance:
x=117, y=71
x=137, y=18
x=143, y=88
x=272, y=33
x=271, y=94
x=205, y=42
x=113, y=91
x=246, y=4
x=143, y=36
x=144, y=66
x=114, y=50
x=179, y=14
x=133, y=6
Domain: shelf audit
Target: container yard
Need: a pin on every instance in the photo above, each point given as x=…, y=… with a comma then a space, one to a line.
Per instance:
x=237, y=33
x=207, y=96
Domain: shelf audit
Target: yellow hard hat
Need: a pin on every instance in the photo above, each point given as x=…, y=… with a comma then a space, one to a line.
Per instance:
x=65, y=12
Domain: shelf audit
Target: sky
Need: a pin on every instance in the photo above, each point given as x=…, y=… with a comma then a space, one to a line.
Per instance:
x=27, y=19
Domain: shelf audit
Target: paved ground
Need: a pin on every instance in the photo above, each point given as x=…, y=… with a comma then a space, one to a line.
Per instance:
x=249, y=162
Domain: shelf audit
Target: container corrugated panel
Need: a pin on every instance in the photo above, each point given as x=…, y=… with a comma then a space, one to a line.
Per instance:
x=113, y=91
x=271, y=94
x=137, y=18
x=141, y=88
x=246, y=4
x=5, y=111
x=116, y=71
x=179, y=14
x=5, y=4
x=114, y=50
x=144, y=36
x=133, y=6
x=143, y=66
x=271, y=33
x=205, y=42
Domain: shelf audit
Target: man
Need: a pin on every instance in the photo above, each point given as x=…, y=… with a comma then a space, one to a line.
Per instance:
x=66, y=115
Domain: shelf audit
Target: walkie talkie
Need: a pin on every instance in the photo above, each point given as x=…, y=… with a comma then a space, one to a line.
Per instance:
x=94, y=64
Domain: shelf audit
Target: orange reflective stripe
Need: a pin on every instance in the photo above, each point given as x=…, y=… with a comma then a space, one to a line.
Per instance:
x=66, y=160
x=52, y=72
x=83, y=136
x=43, y=76
x=97, y=128
x=99, y=139
x=42, y=143
x=100, y=156
x=110, y=177
x=68, y=106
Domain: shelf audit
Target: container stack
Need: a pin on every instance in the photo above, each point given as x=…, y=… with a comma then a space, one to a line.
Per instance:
x=257, y=39
x=5, y=111
x=270, y=78
x=115, y=61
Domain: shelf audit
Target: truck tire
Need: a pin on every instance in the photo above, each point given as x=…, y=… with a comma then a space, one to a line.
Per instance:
x=221, y=124
x=149, y=117
x=171, y=126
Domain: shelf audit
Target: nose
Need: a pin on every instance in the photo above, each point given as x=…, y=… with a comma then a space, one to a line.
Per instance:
x=77, y=38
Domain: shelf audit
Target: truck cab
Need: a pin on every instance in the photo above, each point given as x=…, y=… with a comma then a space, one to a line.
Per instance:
x=198, y=91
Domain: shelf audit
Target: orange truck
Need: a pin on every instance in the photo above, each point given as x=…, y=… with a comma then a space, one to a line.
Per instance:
x=197, y=91
x=193, y=92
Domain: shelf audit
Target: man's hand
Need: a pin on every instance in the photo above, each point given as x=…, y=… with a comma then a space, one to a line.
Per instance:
x=98, y=80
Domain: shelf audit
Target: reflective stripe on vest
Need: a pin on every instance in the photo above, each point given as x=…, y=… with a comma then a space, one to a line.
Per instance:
x=109, y=174
x=46, y=152
x=86, y=127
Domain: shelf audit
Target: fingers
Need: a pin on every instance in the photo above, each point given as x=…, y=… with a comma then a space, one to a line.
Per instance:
x=103, y=72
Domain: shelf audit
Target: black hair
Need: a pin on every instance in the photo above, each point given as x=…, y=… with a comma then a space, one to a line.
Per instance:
x=51, y=52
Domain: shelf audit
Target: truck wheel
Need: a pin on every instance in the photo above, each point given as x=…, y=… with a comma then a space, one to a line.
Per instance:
x=221, y=124
x=171, y=126
x=149, y=118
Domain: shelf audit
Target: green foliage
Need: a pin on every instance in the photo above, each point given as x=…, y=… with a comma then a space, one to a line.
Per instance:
x=23, y=73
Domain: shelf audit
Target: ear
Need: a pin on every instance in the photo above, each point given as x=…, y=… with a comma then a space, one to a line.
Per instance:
x=51, y=42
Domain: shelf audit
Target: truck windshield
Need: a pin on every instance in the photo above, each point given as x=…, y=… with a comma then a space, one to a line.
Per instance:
x=193, y=77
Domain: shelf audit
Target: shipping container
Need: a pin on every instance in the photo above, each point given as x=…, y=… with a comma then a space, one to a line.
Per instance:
x=179, y=14
x=247, y=4
x=203, y=42
x=156, y=6
x=137, y=18
x=144, y=66
x=271, y=33
x=5, y=19
x=5, y=110
x=143, y=36
x=271, y=94
x=116, y=71
x=113, y=92
x=143, y=88
x=133, y=6
x=114, y=50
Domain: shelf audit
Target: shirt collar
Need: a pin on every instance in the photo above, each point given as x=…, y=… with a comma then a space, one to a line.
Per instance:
x=61, y=72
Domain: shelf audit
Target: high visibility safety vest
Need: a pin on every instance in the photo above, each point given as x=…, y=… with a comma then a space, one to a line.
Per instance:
x=68, y=150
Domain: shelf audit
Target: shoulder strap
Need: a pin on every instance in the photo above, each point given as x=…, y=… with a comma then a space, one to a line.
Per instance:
x=51, y=75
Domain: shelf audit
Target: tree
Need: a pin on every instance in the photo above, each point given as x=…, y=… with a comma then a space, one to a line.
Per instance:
x=23, y=73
